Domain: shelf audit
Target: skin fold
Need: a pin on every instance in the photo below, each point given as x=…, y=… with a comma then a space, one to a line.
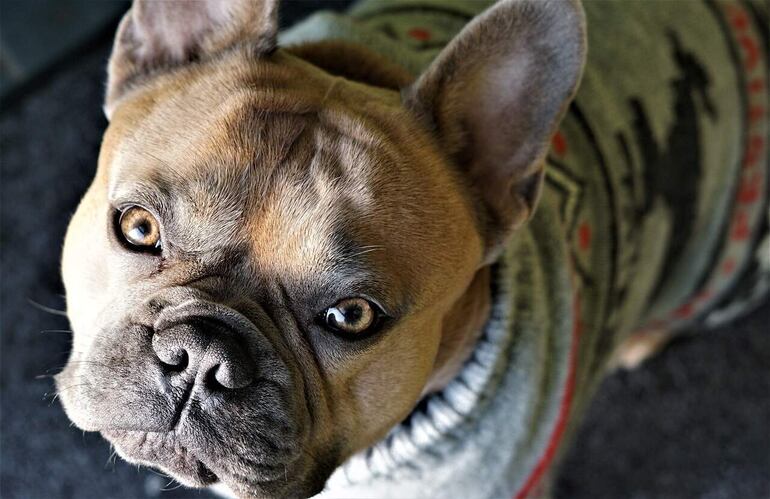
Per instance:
x=284, y=180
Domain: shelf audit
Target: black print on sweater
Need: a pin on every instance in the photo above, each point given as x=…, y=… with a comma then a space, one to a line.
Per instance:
x=671, y=173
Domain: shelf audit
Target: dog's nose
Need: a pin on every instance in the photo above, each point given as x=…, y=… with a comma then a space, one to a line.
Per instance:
x=205, y=354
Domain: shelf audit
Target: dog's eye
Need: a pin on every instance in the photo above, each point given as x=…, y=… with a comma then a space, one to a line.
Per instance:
x=140, y=229
x=352, y=316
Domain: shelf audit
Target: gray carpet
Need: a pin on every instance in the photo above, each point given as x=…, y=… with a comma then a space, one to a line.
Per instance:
x=693, y=422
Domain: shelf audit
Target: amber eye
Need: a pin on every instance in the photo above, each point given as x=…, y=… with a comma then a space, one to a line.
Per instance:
x=351, y=316
x=140, y=229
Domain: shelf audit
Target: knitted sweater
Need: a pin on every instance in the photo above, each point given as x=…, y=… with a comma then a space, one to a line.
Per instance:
x=654, y=213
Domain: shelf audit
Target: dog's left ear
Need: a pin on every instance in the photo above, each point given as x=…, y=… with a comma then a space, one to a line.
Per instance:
x=156, y=35
x=495, y=96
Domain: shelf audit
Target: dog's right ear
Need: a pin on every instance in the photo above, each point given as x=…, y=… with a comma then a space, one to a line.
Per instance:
x=155, y=35
x=494, y=97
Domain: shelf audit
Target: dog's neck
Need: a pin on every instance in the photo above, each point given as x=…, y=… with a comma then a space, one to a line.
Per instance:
x=353, y=62
x=462, y=328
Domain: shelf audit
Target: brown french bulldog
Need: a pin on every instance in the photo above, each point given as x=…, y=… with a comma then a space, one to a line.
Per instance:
x=285, y=249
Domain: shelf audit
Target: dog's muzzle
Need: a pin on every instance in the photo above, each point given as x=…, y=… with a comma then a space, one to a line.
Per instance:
x=193, y=387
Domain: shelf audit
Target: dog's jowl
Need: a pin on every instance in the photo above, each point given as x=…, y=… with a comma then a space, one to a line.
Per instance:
x=391, y=252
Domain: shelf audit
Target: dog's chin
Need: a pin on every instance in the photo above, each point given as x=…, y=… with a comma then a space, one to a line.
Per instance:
x=168, y=452
x=164, y=451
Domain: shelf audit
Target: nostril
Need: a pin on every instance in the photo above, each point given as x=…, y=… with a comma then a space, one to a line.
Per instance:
x=174, y=361
x=203, y=353
x=227, y=376
x=211, y=381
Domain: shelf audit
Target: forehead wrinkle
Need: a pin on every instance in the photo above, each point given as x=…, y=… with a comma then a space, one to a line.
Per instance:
x=286, y=150
x=219, y=149
x=325, y=178
x=404, y=166
x=295, y=249
x=349, y=122
x=241, y=156
x=367, y=141
x=291, y=230
x=214, y=191
x=187, y=127
x=257, y=140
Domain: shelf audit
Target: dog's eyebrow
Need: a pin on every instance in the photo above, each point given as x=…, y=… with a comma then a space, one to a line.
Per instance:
x=367, y=283
x=152, y=195
x=352, y=272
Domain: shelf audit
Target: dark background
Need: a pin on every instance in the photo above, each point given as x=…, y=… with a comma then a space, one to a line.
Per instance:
x=692, y=422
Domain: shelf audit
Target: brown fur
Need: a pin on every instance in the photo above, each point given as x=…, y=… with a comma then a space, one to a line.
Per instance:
x=285, y=180
x=282, y=222
x=354, y=62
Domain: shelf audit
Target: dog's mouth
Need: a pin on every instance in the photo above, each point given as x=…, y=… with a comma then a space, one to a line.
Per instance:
x=166, y=451
x=195, y=466
x=196, y=453
x=201, y=394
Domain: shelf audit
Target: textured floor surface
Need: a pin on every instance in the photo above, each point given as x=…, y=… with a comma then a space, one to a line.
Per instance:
x=693, y=422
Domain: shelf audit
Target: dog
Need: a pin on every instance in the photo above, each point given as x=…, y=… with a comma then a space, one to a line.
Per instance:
x=390, y=253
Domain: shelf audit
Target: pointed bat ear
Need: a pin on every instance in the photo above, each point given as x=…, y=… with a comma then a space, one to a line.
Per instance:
x=160, y=34
x=495, y=96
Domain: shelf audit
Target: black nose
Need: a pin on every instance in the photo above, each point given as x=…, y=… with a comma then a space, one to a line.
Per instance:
x=205, y=354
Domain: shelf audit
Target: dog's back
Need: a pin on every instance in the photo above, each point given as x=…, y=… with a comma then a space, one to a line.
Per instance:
x=664, y=160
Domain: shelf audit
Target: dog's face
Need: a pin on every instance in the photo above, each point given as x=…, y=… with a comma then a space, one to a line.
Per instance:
x=282, y=247
x=263, y=273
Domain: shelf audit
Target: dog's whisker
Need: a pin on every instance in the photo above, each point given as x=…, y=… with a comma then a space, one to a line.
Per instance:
x=112, y=457
x=54, y=398
x=61, y=390
x=46, y=331
x=57, y=369
x=157, y=473
x=363, y=250
x=44, y=308
x=117, y=368
x=166, y=487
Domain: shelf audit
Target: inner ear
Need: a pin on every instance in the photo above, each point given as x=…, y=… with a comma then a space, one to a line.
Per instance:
x=494, y=97
x=157, y=35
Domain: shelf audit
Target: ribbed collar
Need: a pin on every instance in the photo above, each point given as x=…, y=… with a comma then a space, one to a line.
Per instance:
x=440, y=416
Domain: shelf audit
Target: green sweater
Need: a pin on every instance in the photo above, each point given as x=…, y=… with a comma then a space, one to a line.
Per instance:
x=654, y=213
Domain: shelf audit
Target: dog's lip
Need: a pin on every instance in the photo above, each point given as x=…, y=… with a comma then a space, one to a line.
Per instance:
x=202, y=475
x=191, y=469
x=187, y=468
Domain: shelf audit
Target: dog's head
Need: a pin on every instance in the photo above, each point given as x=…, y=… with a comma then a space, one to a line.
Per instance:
x=263, y=275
